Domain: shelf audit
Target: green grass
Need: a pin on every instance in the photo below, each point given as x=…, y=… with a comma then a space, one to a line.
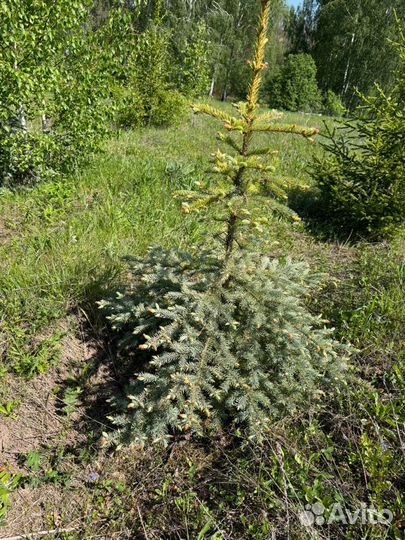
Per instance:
x=66, y=240
x=61, y=248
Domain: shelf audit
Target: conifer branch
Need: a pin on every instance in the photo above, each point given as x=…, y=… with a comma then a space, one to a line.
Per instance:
x=280, y=128
x=266, y=151
x=258, y=62
x=213, y=112
x=269, y=116
x=227, y=139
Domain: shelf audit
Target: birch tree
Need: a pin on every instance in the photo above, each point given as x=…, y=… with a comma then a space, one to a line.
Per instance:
x=39, y=81
x=352, y=45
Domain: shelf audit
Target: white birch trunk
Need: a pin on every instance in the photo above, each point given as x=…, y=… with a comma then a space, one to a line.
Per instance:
x=212, y=87
x=22, y=121
x=346, y=76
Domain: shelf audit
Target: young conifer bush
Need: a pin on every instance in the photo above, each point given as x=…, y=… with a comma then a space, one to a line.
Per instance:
x=362, y=175
x=224, y=336
x=332, y=104
x=249, y=351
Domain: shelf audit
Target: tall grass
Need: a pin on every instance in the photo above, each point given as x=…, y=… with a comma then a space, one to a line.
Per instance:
x=64, y=241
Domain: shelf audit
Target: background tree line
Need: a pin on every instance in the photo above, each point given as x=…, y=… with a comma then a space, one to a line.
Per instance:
x=73, y=70
x=346, y=43
x=349, y=42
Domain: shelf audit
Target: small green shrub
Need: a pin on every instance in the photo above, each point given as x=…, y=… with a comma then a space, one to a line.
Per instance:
x=146, y=96
x=167, y=108
x=129, y=107
x=332, y=104
x=248, y=350
x=24, y=157
x=294, y=86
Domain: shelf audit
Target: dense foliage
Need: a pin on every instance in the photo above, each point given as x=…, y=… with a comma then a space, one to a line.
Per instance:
x=145, y=96
x=294, y=87
x=249, y=351
x=68, y=76
x=362, y=176
x=66, y=67
x=342, y=52
x=348, y=41
x=209, y=41
x=192, y=58
x=52, y=92
x=332, y=104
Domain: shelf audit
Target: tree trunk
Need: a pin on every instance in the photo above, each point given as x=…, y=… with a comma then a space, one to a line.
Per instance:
x=228, y=73
x=44, y=124
x=346, y=75
x=22, y=121
x=212, y=88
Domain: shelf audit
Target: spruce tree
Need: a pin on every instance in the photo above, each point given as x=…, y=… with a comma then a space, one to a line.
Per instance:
x=246, y=351
x=362, y=173
x=222, y=337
